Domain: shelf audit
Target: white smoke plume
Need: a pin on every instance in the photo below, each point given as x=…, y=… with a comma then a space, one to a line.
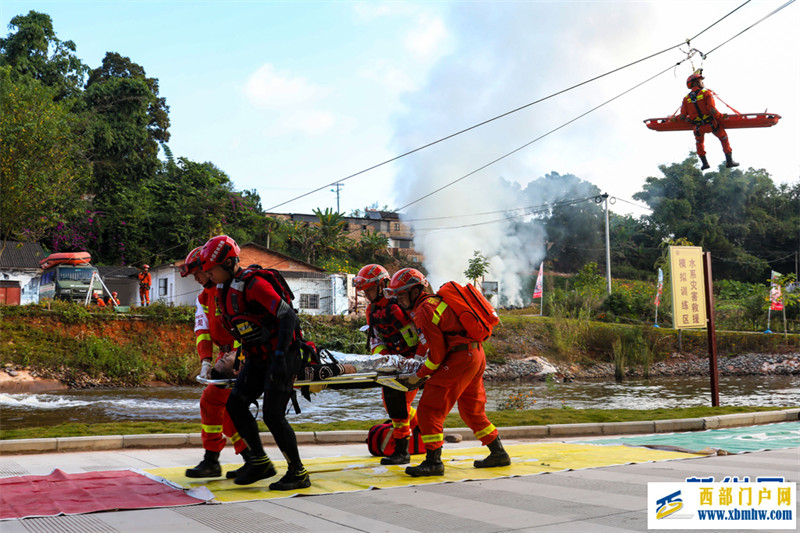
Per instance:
x=486, y=75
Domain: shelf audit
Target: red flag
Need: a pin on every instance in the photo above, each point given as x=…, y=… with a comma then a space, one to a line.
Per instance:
x=537, y=292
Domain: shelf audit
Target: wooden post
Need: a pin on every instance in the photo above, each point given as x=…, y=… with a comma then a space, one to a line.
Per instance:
x=711, y=329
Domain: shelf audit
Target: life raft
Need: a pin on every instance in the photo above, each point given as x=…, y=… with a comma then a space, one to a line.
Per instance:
x=739, y=120
x=65, y=258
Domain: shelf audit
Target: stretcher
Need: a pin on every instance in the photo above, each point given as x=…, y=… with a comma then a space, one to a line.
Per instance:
x=739, y=120
x=359, y=378
x=345, y=371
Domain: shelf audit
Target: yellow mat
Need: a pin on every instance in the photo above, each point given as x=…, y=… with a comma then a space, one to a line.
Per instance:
x=351, y=473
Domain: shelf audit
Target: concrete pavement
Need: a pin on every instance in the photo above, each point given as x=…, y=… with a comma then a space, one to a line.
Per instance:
x=606, y=499
x=610, y=499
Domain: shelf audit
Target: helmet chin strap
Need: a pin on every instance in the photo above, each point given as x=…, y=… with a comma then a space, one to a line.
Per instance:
x=230, y=265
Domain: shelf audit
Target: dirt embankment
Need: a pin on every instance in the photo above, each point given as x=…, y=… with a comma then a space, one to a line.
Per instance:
x=27, y=338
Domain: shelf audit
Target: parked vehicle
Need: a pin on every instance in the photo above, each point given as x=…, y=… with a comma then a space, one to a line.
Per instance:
x=68, y=276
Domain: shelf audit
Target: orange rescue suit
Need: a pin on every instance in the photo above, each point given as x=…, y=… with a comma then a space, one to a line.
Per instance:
x=209, y=331
x=145, y=279
x=455, y=366
x=699, y=108
x=393, y=332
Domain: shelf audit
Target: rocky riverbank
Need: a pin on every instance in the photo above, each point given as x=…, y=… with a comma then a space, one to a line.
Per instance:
x=538, y=368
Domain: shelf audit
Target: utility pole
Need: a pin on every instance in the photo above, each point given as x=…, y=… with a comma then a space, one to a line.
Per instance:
x=608, y=246
x=336, y=190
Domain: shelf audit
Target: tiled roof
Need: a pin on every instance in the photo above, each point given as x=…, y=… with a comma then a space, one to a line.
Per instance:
x=22, y=255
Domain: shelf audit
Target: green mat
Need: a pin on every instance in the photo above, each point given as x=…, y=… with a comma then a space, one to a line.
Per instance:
x=732, y=440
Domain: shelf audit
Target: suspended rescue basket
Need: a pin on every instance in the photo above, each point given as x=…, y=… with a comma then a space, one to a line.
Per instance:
x=728, y=121
x=738, y=120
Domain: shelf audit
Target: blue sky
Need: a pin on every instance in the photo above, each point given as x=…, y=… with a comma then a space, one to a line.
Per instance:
x=289, y=96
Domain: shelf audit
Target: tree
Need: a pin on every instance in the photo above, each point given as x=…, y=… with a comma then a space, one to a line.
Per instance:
x=34, y=51
x=126, y=121
x=331, y=231
x=715, y=210
x=371, y=248
x=42, y=167
x=306, y=237
x=478, y=267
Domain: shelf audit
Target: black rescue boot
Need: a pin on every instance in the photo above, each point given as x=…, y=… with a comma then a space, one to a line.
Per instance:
x=497, y=457
x=400, y=455
x=294, y=479
x=431, y=466
x=208, y=467
x=704, y=160
x=233, y=473
x=729, y=162
x=254, y=469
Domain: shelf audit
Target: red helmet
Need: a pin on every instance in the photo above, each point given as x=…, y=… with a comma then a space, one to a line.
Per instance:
x=114, y=294
x=145, y=267
x=217, y=250
x=369, y=276
x=403, y=280
x=192, y=262
x=691, y=80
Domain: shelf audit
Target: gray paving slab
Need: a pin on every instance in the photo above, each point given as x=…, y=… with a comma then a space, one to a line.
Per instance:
x=606, y=499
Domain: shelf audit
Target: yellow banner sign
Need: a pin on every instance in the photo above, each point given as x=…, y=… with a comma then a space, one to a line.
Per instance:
x=688, y=290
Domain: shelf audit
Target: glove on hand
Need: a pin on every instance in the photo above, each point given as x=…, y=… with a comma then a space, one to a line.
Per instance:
x=205, y=369
x=277, y=369
x=411, y=381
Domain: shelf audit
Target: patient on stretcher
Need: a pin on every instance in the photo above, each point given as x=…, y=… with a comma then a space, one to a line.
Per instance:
x=341, y=364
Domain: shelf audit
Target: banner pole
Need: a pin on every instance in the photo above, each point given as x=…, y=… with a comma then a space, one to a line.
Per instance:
x=711, y=329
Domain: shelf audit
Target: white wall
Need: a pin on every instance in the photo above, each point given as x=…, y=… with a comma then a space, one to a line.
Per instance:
x=178, y=290
x=28, y=283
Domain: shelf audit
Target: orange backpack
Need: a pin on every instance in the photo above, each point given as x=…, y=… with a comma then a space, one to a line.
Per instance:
x=476, y=314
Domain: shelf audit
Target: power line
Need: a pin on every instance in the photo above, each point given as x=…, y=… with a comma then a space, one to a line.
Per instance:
x=511, y=217
x=565, y=124
x=554, y=204
x=594, y=108
x=507, y=113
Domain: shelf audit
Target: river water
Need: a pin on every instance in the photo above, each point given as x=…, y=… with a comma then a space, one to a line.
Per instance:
x=181, y=404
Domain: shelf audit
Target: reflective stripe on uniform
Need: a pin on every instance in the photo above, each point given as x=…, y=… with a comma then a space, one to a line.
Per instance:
x=485, y=431
x=203, y=337
x=379, y=349
x=235, y=438
x=438, y=437
x=205, y=308
x=430, y=365
x=437, y=313
x=409, y=333
x=400, y=423
x=411, y=412
x=211, y=429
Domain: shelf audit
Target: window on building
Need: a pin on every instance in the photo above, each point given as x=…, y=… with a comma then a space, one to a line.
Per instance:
x=397, y=227
x=162, y=287
x=309, y=301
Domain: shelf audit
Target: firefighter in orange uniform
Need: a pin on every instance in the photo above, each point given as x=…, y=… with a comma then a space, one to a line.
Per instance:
x=145, y=280
x=98, y=301
x=699, y=108
x=210, y=332
x=112, y=300
x=391, y=331
x=452, y=372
